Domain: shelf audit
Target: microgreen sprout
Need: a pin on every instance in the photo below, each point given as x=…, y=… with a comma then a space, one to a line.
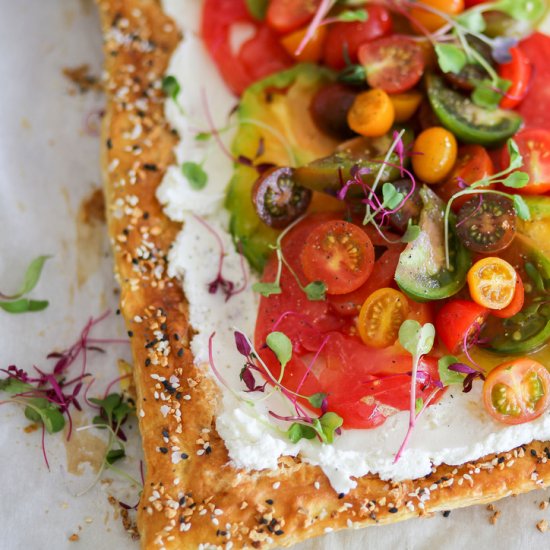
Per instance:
x=17, y=303
x=171, y=88
x=194, y=173
x=452, y=371
x=315, y=291
x=509, y=177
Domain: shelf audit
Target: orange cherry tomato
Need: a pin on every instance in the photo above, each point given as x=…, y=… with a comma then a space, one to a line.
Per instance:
x=427, y=20
x=517, y=391
x=473, y=163
x=340, y=254
x=518, y=71
x=372, y=113
x=381, y=316
x=492, y=283
x=286, y=16
x=434, y=154
x=405, y=104
x=515, y=305
x=313, y=49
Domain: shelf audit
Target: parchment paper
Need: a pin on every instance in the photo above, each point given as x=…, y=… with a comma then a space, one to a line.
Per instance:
x=48, y=166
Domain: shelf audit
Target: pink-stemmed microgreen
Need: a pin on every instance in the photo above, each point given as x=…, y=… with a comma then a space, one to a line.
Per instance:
x=418, y=340
x=315, y=291
x=509, y=177
x=452, y=371
x=227, y=287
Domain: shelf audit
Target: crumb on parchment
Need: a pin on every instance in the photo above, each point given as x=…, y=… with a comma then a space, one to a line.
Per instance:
x=542, y=526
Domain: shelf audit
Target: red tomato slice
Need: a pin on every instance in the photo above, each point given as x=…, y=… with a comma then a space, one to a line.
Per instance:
x=258, y=57
x=518, y=72
x=456, y=321
x=348, y=37
x=472, y=164
x=534, y=108
x=394, y=63
x=534, y=146
x=340, y=254
x=285, y=16
x=515, y=305
x=517, y=391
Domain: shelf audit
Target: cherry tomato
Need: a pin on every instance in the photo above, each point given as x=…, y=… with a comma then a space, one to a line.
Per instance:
x=405, y=104
x=517, y=391
x=372, y=113
x=313, y=50
x=286, y=16
x=515, y=305
x=518, y=72
x=346, y=38
x=434, y=154
x=534, y=146
x=259, y=56
x=381, y=316
x=487, y=223
x=340, y=254
x=471, y=3
x=393, y=63
x=426, y=20
x=457, y=321
x=473, y=163
x=329, y=109
x=492, y=282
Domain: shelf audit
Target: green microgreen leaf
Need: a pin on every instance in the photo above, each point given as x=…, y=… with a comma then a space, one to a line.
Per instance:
x=417, y=339
x=488, y=93
x=257, y=8
x=317, y=399
x=353, y=74
x=516, y=180
x=194, y=173
x=451, y=58
x=280, y=345
x=392, y=198
x=316, y=291
x=411, y=234
x=522, y=10
x=521, y=208
x=32, y=275
x=41, y=410
x=330, y=422
x=300, y=431
x=449, y=377
x=13, y=386
x=516, y=160
x=114, y=454
x=203, y=136
x=109, y=403
x=349, y=16
x=171, y=87
x=419, y=403
x=266, y=289
x=24, y=305
x=472, y=20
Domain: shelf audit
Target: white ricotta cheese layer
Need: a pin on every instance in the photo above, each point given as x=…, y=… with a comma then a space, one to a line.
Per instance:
x=454, y=431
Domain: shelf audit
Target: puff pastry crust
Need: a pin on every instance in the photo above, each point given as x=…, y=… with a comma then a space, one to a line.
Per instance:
x=192, y=495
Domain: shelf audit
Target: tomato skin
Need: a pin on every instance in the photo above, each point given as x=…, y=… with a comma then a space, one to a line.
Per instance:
x=285, y=16
x=258, y=57
x=515, y=305
x=431, y=21
x=372, y=113
x=472, y=164
x=455, y=320
x=518, y=71
x=378, y=24
x=511, y=378
x=312, y=51
x=434, y=154
x=534, y=146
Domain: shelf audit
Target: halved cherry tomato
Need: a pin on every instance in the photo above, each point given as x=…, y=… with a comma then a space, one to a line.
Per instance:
x=372, y=113
x=381, y=316
x=405, y=104
x=517, y=391
x=518, y=72
x=393, y=63
x=427, y=20
x=534, y=146
x=515, y=305
x=259, y=56
x=473, y=163
x=313, y=49
x=340, y=254
x=346, y=38
x=434, y=154
x=457, y=321
x=286, y=16
x=492, y=282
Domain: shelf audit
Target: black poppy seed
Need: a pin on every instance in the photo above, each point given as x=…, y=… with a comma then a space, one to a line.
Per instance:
x=109, y=143
x=270, y=528
x=269, y=501
x=151, y=343
x=182, y=501
x=118, y=311
x=273, y=522
x=150, y=167
x=208, y=450
x=163, y=450
x=176, y=337
x=146, y=215
x=147, y=362
x=393, y=510
x=192, y=505
x=223, y=533
x=446, y=513
x=341, y=495
x=547, y=452
x=501, y=459
x=444, y=478
x=165, y=433
x=279, y=532
x=180, y=352
x=218, y=533
x=178, y=395
x=263, y=521
x=135, y=261
x=164, y=326
x=126, y=231
x=184, y=456
x=533, y=452
x=130, y=333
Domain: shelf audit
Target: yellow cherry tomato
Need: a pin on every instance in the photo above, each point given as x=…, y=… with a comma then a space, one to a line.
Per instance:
x=492, y=282
x=372, y=113
x=314, y=48
x=405, y=104
x=428, y=20
x=434, y=154
x=381, y=316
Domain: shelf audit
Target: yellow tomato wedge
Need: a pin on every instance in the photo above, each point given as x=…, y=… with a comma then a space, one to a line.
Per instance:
x=492, y=283
x=381, y=316
x=405, y=104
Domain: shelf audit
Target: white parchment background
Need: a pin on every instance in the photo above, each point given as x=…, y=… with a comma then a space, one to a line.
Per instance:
x=48, y=165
